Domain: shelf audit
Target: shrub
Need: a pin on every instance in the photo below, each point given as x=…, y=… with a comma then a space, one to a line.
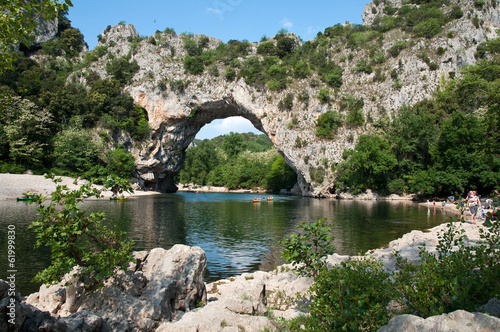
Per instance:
x=178, y=86
x=428, y=28
x=306, y=251
x=214, y=71
x=122, y=70
x=317, y=174
x=301, y=69
x=266, y=48
x=457, y=276
x=286, y=103
x=276, y=85
x=352, y=296
x=120, y=163
x=193, y=65
x=230, y=74
x=397, y=48
x=328, y=123
x=397, y=84
x=364, y=67
x=355, y=109
x=324, y=96
x=455, y=13
x=304, y=97
x=77, y=238
x=379, y=77
x=394, y=74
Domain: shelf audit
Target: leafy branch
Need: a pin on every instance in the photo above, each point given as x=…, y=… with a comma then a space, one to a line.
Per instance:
x=77, y=238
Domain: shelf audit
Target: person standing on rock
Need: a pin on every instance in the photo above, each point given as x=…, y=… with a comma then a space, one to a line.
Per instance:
x=474, y=204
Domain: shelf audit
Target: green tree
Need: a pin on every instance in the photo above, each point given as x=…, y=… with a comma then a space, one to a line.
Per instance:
x=200, y=161
x=77, y=238
x=19, y=20
x=122, y=69
x=280, y=175
x=369, y=166
x=27, y=130
x=412, y=142
x=233, y=144
x=120, y=163
x=74, y=150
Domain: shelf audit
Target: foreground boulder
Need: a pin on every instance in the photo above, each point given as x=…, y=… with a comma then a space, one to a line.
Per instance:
x=242, y=303
x=457, y=321
x=160, y=285
x=18, y=316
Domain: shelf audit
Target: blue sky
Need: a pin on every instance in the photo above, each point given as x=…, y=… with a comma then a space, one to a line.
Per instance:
x=222, y=19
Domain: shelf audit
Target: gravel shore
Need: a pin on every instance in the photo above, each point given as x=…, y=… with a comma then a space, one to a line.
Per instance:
x=15, y=185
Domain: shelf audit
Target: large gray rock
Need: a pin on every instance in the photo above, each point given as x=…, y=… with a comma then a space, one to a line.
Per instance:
x=212, y=318
x=162, y=283
x=457, y=321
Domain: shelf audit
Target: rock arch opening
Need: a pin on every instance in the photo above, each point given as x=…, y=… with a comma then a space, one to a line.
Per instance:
x=165, y=154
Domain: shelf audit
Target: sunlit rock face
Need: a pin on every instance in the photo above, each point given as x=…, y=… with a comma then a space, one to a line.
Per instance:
x=179, y=104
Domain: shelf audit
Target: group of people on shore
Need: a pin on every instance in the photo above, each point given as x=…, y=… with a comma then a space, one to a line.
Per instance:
x=473, y=202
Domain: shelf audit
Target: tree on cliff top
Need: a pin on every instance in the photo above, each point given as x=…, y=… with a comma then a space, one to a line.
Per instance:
x=18, y=22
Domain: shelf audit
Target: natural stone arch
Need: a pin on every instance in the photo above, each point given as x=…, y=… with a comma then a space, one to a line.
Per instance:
x=168, y=143
x=178, y=104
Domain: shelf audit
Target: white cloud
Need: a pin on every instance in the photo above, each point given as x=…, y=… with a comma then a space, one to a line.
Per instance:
x=312, y=30
x=217, y=12
x=286, y=23
x=235, y=124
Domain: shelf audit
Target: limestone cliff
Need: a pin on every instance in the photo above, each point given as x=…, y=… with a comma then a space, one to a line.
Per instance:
x=177, y=114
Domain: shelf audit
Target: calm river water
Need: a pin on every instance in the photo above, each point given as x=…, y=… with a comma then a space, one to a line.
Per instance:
x=237, y=235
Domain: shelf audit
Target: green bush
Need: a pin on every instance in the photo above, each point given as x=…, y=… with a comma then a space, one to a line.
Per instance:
x=230, y=74
x=120, y=163
x=74, y=150
x=193, y=65
x=352, y=296
x=363, y=67
x=354, y=107
x=122, y=70
x=317, y=174
x=286, y=103
x=324, y=96
x=266, y=48
x=178, y=86
x=306, y=251
x=457, y=276
x=77, y=238
x=276, y=85
x=397, y=48
x=328, y=123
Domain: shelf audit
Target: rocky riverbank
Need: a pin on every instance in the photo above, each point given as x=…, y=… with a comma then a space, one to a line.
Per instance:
x=164, y=291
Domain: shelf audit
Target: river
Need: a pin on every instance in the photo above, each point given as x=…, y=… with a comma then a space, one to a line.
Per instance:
x=237, y=235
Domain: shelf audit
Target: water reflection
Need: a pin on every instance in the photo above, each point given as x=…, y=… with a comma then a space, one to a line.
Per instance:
x=237, y=235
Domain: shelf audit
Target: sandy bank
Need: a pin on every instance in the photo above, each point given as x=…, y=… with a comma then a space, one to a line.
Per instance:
x=214, y=189
x=15, y=185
